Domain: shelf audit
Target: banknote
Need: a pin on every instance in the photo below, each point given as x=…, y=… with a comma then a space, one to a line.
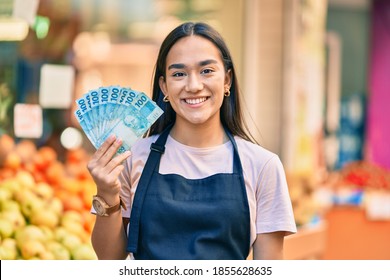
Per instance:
x=117, y=110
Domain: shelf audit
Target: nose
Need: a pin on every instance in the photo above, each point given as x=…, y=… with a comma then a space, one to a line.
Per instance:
x=194, y=83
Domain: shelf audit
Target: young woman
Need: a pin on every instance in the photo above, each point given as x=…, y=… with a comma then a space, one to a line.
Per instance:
x=196, y=187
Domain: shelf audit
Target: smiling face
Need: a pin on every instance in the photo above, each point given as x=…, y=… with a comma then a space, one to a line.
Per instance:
x=195, y=81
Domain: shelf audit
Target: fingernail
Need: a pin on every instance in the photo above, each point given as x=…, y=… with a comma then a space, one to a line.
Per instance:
x=118, y=140
x=112, y=137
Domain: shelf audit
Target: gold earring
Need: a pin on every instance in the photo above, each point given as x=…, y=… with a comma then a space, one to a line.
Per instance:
x=227, y=93
x=166, y=99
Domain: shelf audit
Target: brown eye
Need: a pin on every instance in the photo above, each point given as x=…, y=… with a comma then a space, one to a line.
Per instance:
x=178, y=74
x=207, y=71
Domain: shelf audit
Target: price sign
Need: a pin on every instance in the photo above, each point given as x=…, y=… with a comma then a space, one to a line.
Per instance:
x=28, y=121
x=56, y=86
x=25, y=9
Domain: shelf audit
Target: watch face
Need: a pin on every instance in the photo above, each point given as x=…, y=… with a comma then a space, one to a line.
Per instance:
x=100, y=210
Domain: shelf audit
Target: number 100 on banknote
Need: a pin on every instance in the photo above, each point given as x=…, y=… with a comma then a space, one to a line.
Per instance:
x=121, y=111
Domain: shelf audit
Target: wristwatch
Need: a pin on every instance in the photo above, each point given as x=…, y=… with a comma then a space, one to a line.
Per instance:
x=103, y=209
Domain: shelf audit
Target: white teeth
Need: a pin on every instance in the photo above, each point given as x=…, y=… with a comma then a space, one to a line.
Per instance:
x=195, y=101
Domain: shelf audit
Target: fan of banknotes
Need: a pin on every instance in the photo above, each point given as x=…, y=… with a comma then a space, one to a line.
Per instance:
x=116, y=110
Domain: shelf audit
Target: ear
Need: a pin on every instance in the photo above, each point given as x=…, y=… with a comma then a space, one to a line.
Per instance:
x=163, y=85
x=228, y=79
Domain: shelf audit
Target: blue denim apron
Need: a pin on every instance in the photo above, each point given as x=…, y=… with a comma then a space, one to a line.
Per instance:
x=177, y=218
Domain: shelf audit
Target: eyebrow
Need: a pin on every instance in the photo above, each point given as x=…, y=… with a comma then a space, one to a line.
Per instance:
x=182, y=66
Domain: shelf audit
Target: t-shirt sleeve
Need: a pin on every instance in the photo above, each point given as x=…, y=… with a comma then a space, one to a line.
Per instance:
x=274, y=208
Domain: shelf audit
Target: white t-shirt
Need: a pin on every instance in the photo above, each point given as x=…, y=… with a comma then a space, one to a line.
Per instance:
x=265, y=181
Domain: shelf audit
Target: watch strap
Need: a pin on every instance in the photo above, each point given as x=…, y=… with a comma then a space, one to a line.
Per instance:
x=116, y=207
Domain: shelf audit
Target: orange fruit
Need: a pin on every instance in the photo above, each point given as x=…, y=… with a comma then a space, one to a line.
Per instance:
x=26, y=149
x=55, y=173
x=76, y=156
x=6, y=173
x=7, y=144
x=12, y=161
x=73, y=202
x=70, y=185
x=48, y=154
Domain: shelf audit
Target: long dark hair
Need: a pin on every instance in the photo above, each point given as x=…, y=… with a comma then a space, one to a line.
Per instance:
x=230, y=113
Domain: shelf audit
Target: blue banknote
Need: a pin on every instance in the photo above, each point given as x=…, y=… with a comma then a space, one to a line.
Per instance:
x=117, y=110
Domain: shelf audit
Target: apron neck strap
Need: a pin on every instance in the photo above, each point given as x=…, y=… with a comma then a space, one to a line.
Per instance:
x=159, y=145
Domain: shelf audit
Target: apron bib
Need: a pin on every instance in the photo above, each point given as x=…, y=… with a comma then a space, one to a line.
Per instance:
x=177, y=218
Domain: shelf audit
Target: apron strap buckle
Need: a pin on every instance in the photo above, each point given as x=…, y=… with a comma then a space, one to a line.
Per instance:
x=157, y=148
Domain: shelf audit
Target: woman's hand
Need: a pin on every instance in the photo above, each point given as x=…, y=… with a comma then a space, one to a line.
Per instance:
x=105, y=168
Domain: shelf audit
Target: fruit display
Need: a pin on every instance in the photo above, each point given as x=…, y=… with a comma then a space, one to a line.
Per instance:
x=44, y=203
x=364, y=175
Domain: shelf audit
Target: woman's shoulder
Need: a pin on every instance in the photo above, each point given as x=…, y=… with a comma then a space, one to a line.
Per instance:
x=253, y=150
x=256, y=157
x=143, y=144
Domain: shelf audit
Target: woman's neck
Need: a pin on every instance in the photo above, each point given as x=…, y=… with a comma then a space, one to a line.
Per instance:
x=199, y=136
